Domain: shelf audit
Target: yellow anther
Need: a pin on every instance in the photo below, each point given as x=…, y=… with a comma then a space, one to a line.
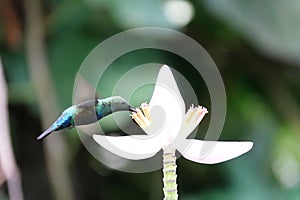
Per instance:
x=190, y=114
x=146, y=111
x=143, y=119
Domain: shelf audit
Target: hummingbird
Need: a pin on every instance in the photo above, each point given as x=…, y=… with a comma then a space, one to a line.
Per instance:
x=88, y=112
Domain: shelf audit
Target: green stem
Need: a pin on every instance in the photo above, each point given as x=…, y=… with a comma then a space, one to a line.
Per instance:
x=169, y=172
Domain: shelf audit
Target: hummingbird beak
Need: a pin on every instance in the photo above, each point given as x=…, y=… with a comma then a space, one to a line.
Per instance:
x=132, y=109
x=44, y=134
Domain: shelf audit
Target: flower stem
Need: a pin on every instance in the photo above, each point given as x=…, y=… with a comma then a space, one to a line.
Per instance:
x=169, y=174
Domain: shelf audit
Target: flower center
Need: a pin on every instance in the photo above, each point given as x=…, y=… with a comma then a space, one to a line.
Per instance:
x=142, y=116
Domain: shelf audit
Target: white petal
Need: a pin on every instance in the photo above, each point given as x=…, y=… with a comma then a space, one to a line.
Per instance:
x=212, y=152
x=130, y=147
x=166, y=79
x=167, y=97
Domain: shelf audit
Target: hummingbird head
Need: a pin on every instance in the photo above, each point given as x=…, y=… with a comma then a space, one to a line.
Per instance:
x=120, y=104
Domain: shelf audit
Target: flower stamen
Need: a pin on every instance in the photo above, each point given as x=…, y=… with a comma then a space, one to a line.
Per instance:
x=190, y=114
x=142, y=117
x=199, y=110
x=146, y=111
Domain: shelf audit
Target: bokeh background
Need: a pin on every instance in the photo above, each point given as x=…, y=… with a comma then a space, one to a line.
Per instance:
x=255, y=44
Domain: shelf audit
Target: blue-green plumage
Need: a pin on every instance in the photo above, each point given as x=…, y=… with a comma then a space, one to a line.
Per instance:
x=87, y=112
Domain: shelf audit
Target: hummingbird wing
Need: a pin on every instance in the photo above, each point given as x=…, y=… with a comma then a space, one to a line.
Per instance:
x=83, y=90
x=86, y=112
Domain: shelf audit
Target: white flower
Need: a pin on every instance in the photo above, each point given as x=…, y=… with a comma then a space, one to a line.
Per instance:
x=169, y=128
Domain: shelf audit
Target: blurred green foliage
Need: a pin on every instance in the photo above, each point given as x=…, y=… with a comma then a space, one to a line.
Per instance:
x=256, y=46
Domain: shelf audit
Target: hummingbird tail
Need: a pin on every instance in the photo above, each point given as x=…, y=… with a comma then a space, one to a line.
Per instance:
x=45, y=134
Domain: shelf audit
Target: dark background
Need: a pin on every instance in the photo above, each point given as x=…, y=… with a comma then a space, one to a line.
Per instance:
x=255, y=44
